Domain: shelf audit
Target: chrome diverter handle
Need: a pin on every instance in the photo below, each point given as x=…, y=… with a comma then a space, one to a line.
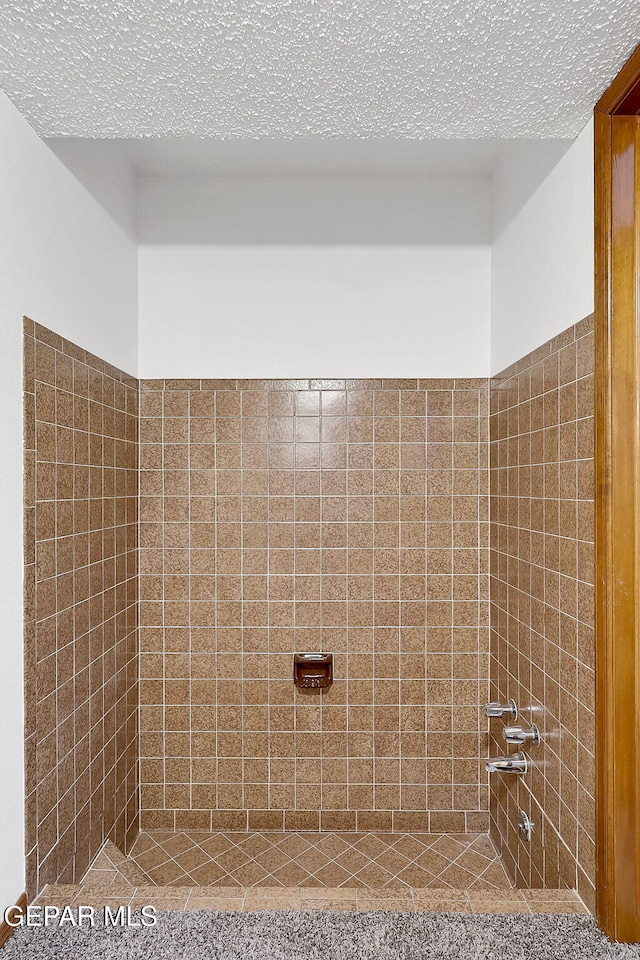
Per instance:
x=520, y=736
x=515, y=763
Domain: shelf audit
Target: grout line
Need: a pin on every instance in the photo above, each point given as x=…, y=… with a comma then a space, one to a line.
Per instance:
x=214, y=417
x=190, y=582
x=138, y=672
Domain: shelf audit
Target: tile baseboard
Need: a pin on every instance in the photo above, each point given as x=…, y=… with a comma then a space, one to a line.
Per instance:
x=333, y=821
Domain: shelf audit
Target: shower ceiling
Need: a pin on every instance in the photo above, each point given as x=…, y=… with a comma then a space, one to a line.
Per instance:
x=305, y=68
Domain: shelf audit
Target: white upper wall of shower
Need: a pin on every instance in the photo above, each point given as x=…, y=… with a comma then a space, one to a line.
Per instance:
x=373, y=257
x=542, y=253
x=338, y=277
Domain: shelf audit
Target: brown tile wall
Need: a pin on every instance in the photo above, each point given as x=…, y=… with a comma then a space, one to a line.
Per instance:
x=344, y=516
x=81, y=460
x=542, y=644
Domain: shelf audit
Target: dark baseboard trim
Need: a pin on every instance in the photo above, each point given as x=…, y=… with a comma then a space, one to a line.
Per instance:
x=6, y=929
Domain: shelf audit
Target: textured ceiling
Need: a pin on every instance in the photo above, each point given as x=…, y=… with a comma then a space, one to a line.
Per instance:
x=320, y=68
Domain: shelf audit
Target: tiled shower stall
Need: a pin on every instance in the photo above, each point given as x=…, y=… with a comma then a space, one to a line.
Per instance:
x=184, y=538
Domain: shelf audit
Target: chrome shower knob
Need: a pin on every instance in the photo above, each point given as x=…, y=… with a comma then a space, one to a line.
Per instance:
x=519, y=735
x=495, y=709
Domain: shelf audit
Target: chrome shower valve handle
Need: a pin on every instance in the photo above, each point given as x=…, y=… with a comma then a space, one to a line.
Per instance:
x=495, y=709
x=520, y=736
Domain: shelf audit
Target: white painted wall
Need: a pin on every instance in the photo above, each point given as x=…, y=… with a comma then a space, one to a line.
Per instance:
x=215, y=311
x=366, y=210
x=334, y=277
x=66, y=264
x=257, y=247
x=107, y=173
x=542, y=254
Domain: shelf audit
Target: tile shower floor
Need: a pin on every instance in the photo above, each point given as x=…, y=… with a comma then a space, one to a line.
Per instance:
x=469, y=863
x=372, y=860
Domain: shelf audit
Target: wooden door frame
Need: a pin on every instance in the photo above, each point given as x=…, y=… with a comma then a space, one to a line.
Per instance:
x=617, y=508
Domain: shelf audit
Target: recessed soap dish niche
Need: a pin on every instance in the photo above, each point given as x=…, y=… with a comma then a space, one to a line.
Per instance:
x=313, y=671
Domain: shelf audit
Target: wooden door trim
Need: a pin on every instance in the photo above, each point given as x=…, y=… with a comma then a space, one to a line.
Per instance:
x=617, y=515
